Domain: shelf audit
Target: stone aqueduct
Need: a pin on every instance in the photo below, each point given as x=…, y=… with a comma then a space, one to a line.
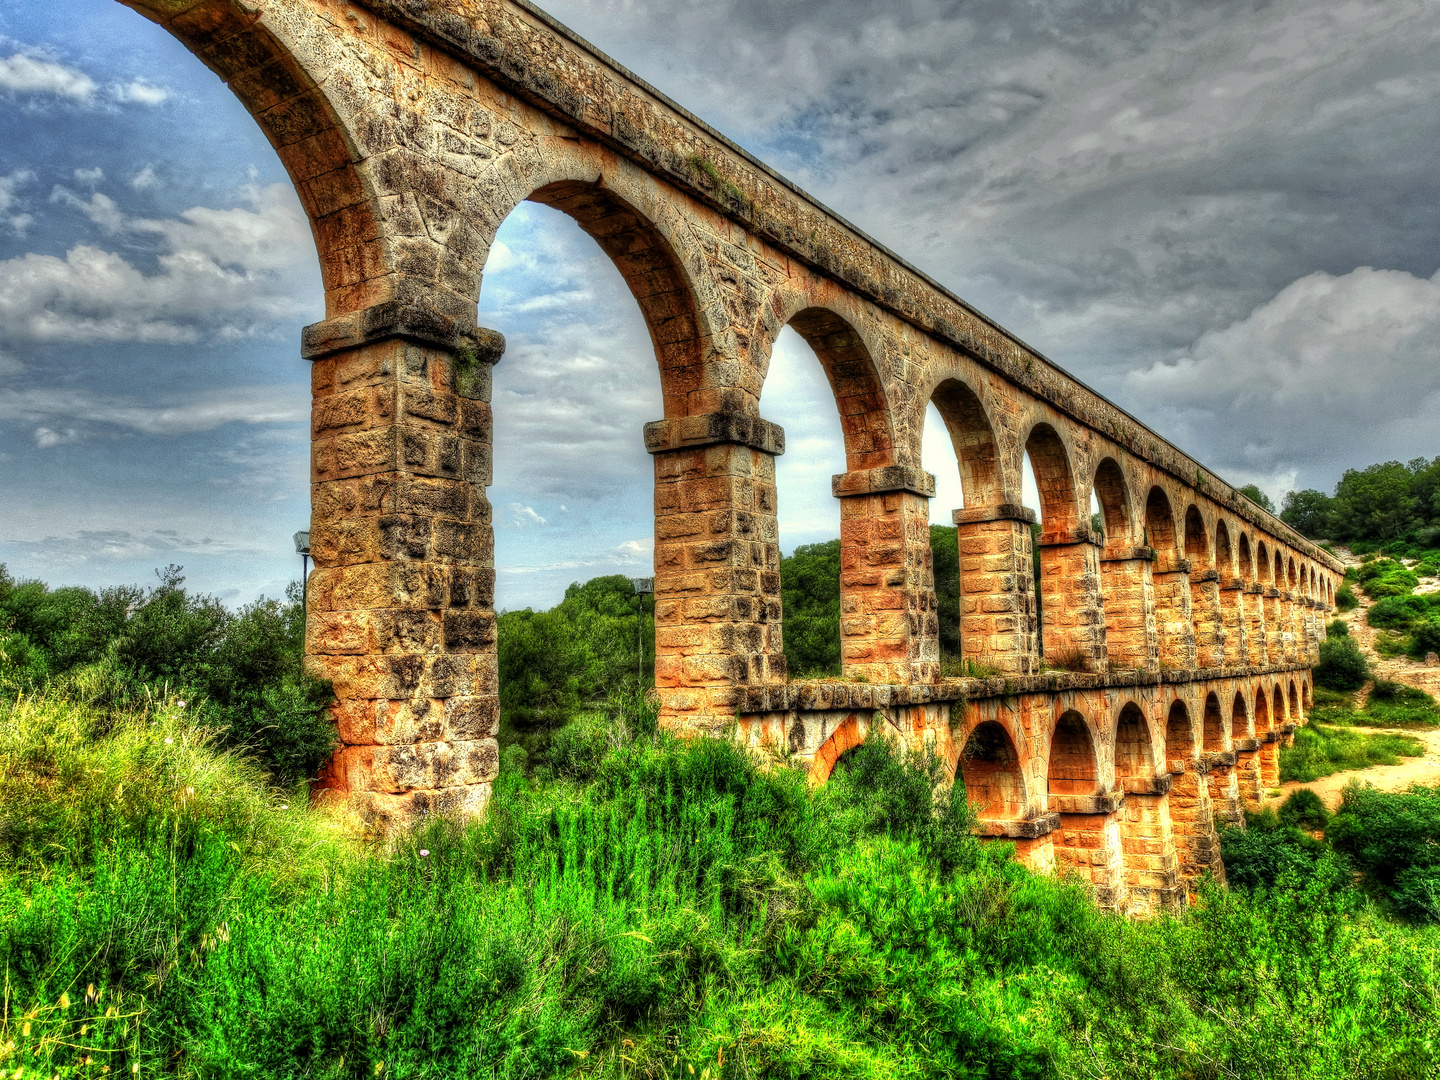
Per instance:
x=1177, y=642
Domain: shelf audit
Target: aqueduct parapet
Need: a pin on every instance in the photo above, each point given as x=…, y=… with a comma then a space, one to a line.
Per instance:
x=411, y=129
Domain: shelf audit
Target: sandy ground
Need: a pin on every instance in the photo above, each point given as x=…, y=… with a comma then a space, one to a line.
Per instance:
x=1421, y=770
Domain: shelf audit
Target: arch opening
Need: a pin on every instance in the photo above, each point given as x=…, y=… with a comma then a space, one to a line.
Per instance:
x=1213, y=730
x=1113, y=496
x=1134, y=754
x=1179, y=734
x=1160, y=525
x=1197, y=545
x=990, y=769
x=1073, y=769
x=1240, y=717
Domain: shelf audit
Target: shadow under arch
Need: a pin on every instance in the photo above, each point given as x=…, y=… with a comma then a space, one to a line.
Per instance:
x=1179, y=736
x=1197, y=541
x=1224, y=552
x=1278, y=714
x=989, y=766
x=1113, y=494
x=1240, y=717
x=1134, y=752
x=1160, y=526
x=1212, y=735
x=1055, y=479
x=1073, y=768
x=1246, y=568
x=1295, y=715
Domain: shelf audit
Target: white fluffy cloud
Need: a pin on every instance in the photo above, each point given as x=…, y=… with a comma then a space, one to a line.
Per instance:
x=26, y=74
x=1350, y=360
x=11, y=217
x=141, y=92
x=187, y=414
x=220, y=273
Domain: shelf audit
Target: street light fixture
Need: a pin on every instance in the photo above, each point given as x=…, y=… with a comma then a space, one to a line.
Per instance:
x=302, y=548
x=644, y=586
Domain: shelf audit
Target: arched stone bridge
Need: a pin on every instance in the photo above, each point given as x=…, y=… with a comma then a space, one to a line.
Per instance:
x=1176, y=646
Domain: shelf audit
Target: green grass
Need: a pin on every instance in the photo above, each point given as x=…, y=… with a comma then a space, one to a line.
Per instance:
x=1323, y=749
x=672, y=910
x=1390, y=705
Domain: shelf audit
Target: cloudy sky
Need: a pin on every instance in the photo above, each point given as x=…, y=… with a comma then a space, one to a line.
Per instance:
x=1224, y=216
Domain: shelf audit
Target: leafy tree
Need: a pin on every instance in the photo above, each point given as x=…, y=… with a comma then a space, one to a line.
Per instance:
x=810, y=585
x=1310, y=513
x=1258, y=497
x=944, y=544
x=1376, y=502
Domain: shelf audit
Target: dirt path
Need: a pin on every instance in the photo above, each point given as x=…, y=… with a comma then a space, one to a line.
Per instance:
x=1421, y=770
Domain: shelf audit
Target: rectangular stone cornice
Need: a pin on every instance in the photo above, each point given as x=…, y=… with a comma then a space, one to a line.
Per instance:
x=1138, y=553
x=1148, y=785
x=1081, y=534
x=886, y=478
x=714, y=429
x=1002, y=512
x=1022, y=829
x=1086, y=804
x=1204, y=575
x=398, y=319
x=620, y=109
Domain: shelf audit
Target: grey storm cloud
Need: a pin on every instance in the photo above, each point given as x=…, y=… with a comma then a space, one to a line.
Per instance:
x=1112, y=182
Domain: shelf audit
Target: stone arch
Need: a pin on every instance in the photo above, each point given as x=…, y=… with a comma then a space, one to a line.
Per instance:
x=1160, y=523
x=1295, y=713
x=653, y=271
x=865, y=414
x=973, y=437
x=1050, y=459
x=1179, y=733
x=1264, y=569
x=1073, y=767
x=1263, y=721
x=1197, y=542
x=266, y=66
x=849, y=734
x=1246, y=567
x=990, y=768
x=1134, y=752
x=1224, y=551
x=1305, y=690
x=1239, y=717
x=1113, y=494
x=1212, y=737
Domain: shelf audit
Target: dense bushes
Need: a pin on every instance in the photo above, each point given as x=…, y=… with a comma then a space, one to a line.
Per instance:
x=241, y=671
x=810, y=593
x=1342, y=665
x=690, y=911
x=1393, y=840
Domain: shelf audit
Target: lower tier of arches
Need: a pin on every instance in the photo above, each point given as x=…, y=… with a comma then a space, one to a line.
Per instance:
x=1123, y=782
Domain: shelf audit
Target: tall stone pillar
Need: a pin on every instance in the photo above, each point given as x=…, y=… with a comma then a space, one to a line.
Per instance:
x=1249, y=773
x=1072, y=606
x=1274, y=628
x=1270, y=760
x=717, y=565
x=997, y=597
x=1197, y=844
x=1256, y=647
x=1290, y=630
x=1224, y=782
x=889, y=623
x=401, y=603
x=1232, y=606
x=1152, y=867
x=1173, y=623
x=1089, y=844
x=1208, y=617
x=1131, y=642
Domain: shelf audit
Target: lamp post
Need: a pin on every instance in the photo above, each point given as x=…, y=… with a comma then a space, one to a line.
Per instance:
x=644, y=586
x=302, y=548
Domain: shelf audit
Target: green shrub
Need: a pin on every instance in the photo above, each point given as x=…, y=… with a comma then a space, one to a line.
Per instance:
x=1345, y=599
x=810, y=591
x=1425, y=636
x=1260, y=855
x=1338, y=628
x=1342, y=665
x=1396, y=612
x=1393, y=839
x=1303, y=809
